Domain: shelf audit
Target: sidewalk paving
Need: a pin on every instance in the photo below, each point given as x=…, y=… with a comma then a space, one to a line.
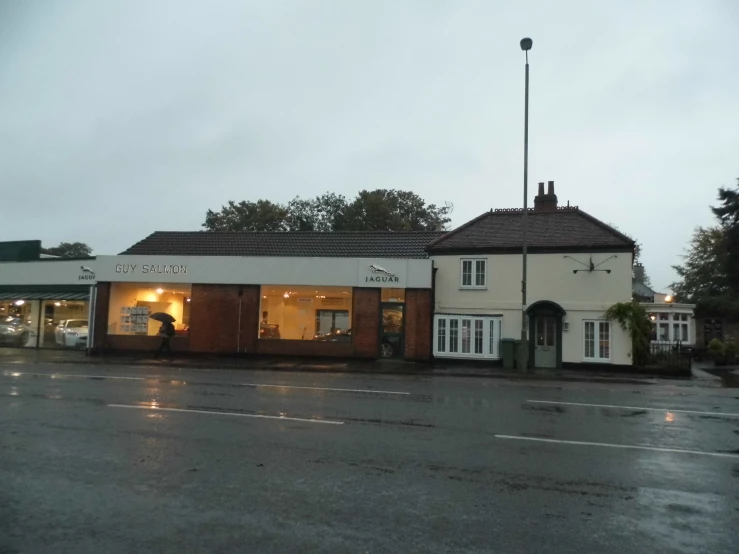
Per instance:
x=702, y=376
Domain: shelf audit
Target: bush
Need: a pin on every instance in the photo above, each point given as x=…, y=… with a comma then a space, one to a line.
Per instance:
x=717, y=350
x=729, y=349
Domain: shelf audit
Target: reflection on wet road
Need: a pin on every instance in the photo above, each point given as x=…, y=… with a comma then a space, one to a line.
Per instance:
x=173, y=460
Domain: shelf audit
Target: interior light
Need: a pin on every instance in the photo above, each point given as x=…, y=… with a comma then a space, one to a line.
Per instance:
x=286, y=295
x=160, y=291
x=57, y=303
x=187, y=299
x=20, y=302
x=652, y=317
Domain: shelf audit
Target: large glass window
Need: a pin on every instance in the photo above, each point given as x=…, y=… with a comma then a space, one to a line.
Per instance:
x=131, y=304
x=19, y=323
x=465, y=336
x=306, y=313
x=65, y=324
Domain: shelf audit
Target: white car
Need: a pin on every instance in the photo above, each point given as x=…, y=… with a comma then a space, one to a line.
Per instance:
x=70, y=332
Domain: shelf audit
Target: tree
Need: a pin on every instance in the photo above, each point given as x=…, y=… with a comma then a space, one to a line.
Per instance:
x=69, y=250
x=261, y=215
x=377, y=210
x=632, y=317
x=709, y=274
x=643, y=277
x=728, y=215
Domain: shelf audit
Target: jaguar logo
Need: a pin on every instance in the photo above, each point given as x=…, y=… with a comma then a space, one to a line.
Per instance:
x=377, y=269
x=381, y=275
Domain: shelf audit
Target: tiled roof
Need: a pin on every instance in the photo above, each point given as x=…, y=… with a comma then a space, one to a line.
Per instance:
x=566, y=229
x=370, y=244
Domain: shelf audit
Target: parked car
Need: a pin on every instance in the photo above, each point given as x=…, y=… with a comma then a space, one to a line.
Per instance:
x=13, y=332
x=69, y=332
x=269, y=331
x=336, y=336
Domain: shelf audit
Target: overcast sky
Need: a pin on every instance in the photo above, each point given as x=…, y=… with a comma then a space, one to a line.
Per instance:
x=124, y=117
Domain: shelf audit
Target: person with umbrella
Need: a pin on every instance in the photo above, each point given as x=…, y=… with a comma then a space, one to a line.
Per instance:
x=166, y=331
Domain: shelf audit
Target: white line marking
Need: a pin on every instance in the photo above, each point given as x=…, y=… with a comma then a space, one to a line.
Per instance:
x=322, y=388
x=628, y=446
x=60, y=375
x=725, y=414
x=286, y=418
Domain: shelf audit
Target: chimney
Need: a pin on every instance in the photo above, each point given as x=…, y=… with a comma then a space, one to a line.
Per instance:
x=546, y=202
x=639, y=273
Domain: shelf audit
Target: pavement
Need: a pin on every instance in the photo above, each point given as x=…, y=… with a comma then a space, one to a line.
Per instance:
x=99, y=457
x=439, y=368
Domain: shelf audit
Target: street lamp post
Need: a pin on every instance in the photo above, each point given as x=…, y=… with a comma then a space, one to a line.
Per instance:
x=526, y=44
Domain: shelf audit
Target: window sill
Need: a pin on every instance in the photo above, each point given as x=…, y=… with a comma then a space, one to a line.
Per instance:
x=596, y=361
x=473, y=288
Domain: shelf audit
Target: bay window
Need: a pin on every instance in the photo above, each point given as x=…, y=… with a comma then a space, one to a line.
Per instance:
x=467, y=336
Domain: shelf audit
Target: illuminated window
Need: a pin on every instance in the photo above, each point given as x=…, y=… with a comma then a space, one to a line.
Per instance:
x=131, y=304
x=291, y=312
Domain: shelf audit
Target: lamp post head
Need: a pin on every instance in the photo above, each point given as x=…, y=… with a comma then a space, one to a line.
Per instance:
x=526, y=44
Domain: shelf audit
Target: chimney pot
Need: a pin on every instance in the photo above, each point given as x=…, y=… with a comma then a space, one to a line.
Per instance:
x=550, y=188
x=541, y=189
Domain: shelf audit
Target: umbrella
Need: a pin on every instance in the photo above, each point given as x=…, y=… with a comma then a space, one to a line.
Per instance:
x=161, y=316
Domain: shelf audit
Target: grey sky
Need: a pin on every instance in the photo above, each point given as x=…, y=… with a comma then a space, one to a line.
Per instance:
x=120, y=118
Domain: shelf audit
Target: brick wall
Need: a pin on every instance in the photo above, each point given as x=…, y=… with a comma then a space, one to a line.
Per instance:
x=366, y=322
x=214, y=318
x=142, y=343
x=100, y=329
x=271, y=347
x=418, y=305
x=730, y=329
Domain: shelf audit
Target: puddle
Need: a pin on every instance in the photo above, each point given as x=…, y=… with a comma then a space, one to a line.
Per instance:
x=729, y=378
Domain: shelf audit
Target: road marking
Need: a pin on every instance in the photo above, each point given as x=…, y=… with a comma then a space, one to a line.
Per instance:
x=322, y=388
x=725, y=414
x=58, y=375
x=285, y=418
x=609, y=445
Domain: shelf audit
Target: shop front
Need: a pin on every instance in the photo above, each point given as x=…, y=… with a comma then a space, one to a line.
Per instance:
x=266, y=305
x=45, y=303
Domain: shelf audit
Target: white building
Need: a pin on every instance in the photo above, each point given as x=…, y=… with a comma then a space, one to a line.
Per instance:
x=577, y=268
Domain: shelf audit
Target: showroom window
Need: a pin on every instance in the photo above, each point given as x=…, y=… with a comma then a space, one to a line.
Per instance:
x=131, y=304
x=474, y=273
x=466, y=336
x=597, y=341
x=392, y=295
x=293, y=312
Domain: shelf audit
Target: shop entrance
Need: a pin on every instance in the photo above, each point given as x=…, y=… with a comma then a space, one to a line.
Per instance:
x=392, y=330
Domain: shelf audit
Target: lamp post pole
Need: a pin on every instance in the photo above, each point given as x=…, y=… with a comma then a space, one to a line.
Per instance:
x=526, y=44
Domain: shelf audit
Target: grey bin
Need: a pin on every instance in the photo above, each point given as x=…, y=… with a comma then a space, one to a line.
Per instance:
x=508, y=348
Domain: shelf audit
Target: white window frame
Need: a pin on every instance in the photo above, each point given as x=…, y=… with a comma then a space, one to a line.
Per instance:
x=490, y=348
x=474, y=284
x=671, y=322
x=596, y=341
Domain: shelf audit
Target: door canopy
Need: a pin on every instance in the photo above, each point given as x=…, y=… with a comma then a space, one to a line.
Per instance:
x=545, y=307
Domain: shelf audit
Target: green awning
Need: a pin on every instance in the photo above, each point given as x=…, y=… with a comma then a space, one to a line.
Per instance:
x=20, y=295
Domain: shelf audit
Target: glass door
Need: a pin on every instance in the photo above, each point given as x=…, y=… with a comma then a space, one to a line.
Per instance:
x=392, y=330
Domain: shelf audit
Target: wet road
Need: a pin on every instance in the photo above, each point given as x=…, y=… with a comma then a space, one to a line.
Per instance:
x=124, y=459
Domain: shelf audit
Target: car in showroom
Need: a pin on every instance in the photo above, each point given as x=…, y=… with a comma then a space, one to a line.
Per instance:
x=13, y=332
x=71, y=332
